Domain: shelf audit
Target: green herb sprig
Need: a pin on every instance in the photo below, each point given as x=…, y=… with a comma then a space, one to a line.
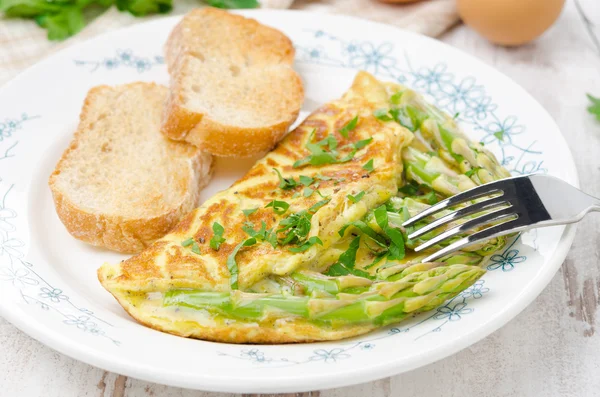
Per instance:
x=65, y=18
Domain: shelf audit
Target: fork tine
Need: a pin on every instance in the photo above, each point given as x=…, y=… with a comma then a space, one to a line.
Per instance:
x=476, y=192
x=472, y=209
x=481, y=220
x=495, y=231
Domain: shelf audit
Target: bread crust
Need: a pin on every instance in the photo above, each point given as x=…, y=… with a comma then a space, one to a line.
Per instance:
x=208, y=133
x=117, y=232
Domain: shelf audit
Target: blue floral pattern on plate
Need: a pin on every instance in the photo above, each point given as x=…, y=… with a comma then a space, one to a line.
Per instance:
x=32, y=287
x=121, y=59
x=8, y=127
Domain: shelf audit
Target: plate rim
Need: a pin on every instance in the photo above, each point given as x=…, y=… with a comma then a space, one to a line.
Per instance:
x=82, y=352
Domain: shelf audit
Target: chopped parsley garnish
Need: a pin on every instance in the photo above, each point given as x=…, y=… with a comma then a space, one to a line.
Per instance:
x=355, y=199
x=347, y=262
x=285, y=183
x=306, y=180
x=395, y=99
x=402, y=117
x=279, y=207
x=410, y=189
x=366, y=230
x=249, y=211
x=594, y=108
x=407, y=116
x=322, y=177
x=361, y=144
x=316, y=206
x=188, y=242
x=472, y=171
x=396, y=248
x=297, y=226
x=232, y=264
x=193, y=243
x=217, y=238
x=195, y=248
x=431, y=197
x=456, y=115
x=307, y=244
x=323, y=152
x=499, y=135
x=349, y=127
x=262, y=234
x=308, y=192
x=382, y=115
x=369, y=166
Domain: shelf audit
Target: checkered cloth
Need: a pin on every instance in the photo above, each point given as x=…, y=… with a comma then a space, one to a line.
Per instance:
x=23, y=43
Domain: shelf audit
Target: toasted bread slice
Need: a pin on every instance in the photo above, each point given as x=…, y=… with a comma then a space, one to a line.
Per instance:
x=233, y=90
x=121, y=184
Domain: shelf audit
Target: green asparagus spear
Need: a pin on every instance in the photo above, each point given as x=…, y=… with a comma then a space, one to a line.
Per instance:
x=413, y=289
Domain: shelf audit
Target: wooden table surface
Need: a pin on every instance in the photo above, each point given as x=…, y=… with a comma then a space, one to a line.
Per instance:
x=551, y=349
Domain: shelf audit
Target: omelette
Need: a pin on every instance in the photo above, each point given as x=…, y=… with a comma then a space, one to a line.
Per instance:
x=308, y=245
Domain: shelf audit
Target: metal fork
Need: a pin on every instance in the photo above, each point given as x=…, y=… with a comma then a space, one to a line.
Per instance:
x=520, y=203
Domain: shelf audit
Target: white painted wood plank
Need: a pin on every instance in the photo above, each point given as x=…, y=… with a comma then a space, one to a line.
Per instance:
x=551, y=349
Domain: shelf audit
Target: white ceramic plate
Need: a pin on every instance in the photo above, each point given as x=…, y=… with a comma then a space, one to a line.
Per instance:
x=48, y=285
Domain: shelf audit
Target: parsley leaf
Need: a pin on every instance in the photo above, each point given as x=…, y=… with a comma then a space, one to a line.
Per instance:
x=431, y=197
x=357, y=198
x=316, y=206
x=410, y=189
x=285, y=183
x=347, y=261
x=382, y=115
x=322, y=177
x=306, y=180
x=472, y=171
x=594, y=108
x=499, y=135
x=307, y=244
x=144, y=7
x=68, y=21
x=232, y=264
x=403, y=118
x=396, y=247
x=233, y=3
x=308, y=192
x=320, y=156
x=297, y=226
x=262, y=234
x=365, y=229
x=188, y=242
x=368, y=166
x=279, y=207
x=395, y=99
x=217, y=238
x=361, y=144
x=349, y=127
x=249, y=211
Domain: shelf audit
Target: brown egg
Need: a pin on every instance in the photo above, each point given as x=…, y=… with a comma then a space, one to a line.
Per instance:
x=510, y=22
x=398, y=1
